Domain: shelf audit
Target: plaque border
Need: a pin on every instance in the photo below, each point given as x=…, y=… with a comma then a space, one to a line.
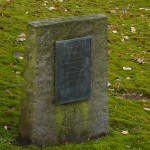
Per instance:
x=57, y=44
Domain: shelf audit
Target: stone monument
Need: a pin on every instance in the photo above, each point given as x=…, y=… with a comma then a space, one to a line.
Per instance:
x=65, y=81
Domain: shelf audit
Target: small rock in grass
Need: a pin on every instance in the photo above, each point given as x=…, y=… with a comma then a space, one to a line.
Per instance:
x=112, y=11
x=146, y=9
x=51, y=8
x=5, y=127
x=17, y=55
x=114, y=31
x=20, y=39
x=147, y=109
x=127, y=68
x=26, y=12
x=122, y=40
x=140, y=61
x=133, y=30
x=17, y=72
x=22, y=35
x=108, y=84
x=60, y=0
x=128, y=78
x=125, y=132
x=126, y=37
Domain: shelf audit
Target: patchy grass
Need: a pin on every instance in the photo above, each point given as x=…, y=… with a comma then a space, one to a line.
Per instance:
x=124, y=114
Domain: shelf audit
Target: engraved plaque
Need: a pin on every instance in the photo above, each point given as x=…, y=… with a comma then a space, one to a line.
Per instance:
x=73, y=61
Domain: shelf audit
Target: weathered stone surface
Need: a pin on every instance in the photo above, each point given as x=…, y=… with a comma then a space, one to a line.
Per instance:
x=43, y=121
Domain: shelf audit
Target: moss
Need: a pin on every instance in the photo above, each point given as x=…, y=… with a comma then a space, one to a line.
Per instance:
x=75, y=112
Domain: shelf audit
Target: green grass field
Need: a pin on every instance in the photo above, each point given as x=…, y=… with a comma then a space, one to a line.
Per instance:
x=128, y=64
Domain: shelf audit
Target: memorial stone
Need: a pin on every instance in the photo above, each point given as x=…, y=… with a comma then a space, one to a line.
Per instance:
x=64, y=97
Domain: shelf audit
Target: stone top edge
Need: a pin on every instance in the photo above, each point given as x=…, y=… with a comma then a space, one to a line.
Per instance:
x=53, y=21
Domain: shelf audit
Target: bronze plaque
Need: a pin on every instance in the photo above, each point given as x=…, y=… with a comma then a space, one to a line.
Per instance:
x=73, y=63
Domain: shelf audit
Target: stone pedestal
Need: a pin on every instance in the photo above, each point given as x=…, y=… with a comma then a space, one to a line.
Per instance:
x=43, y=121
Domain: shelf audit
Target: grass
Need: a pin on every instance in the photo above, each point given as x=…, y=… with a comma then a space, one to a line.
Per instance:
x=124, y=114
